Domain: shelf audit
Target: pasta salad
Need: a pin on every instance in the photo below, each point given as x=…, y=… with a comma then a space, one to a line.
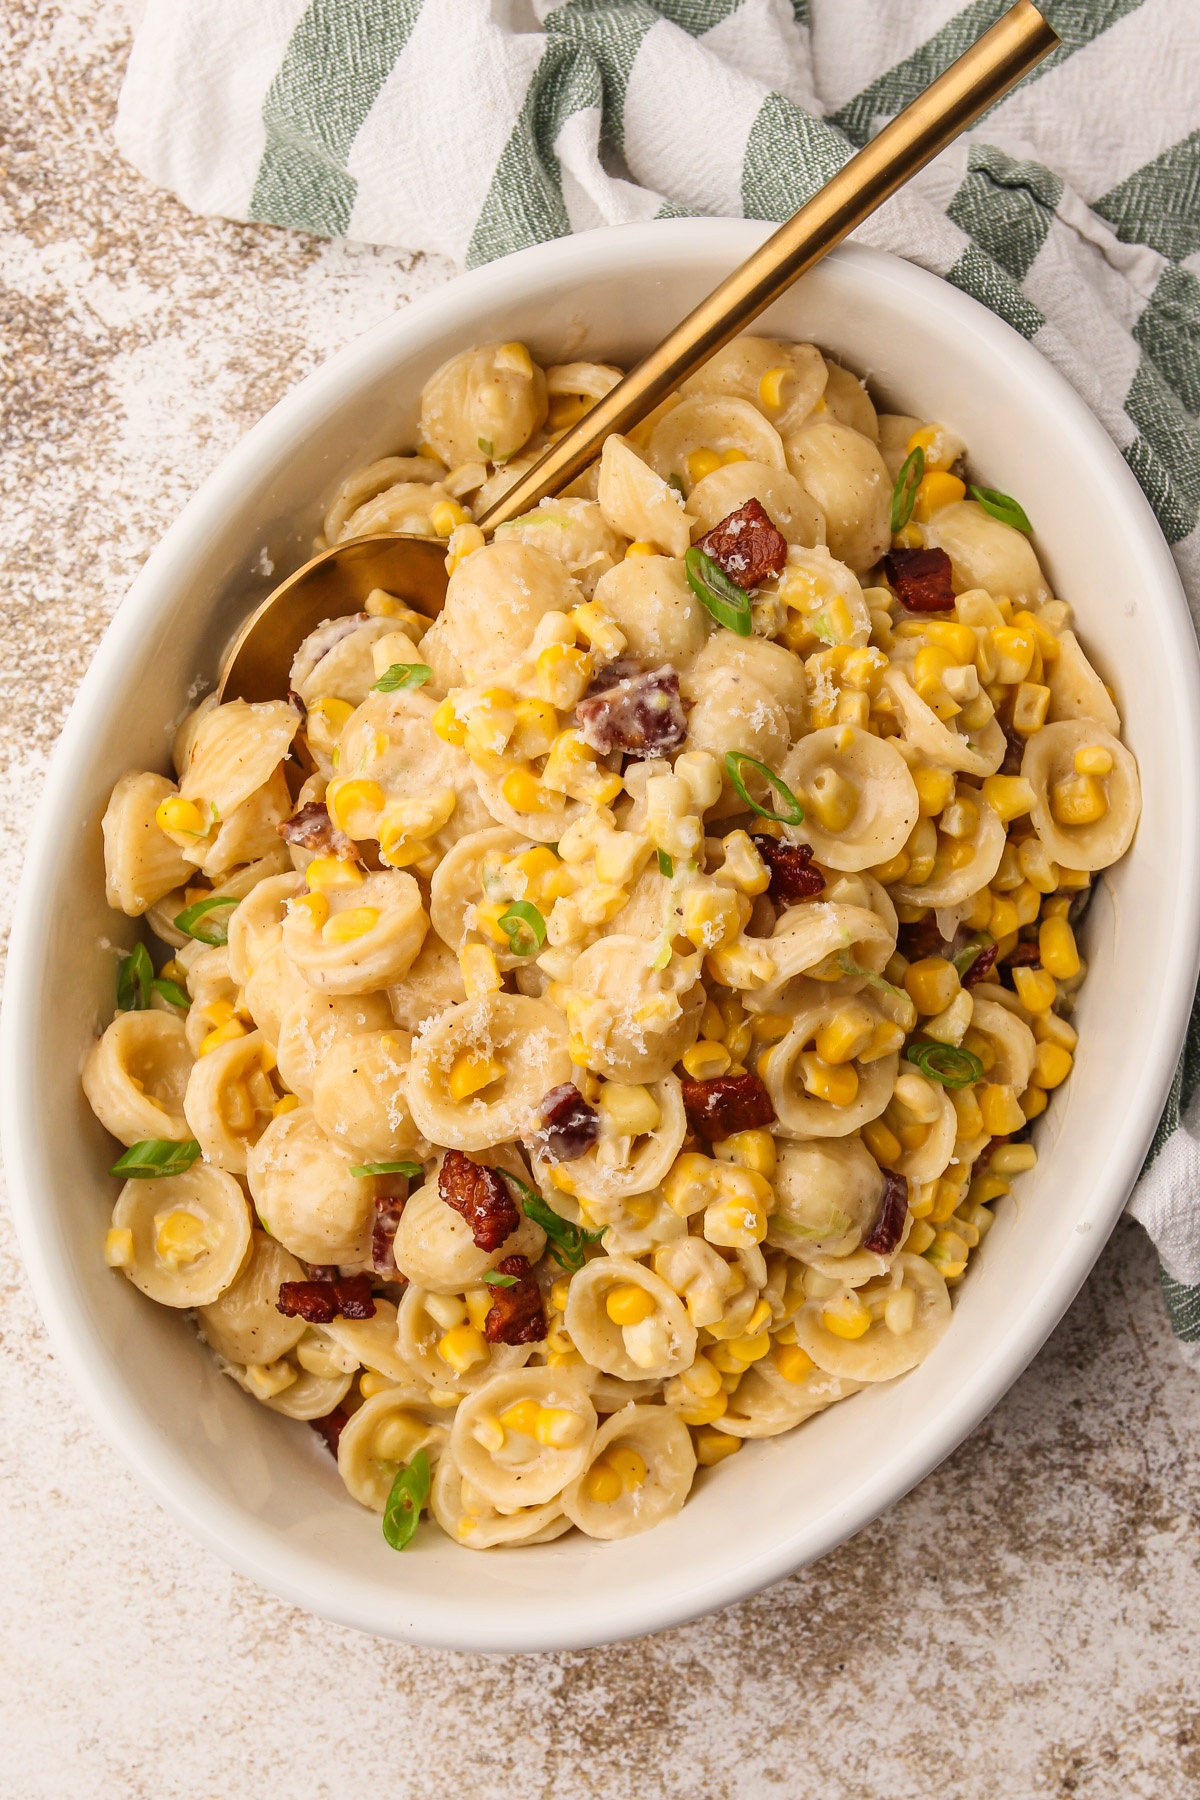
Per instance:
x=591, y=1029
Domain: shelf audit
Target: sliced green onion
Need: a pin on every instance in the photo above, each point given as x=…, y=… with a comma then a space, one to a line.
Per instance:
x=724, y=599
x=665, y=865
x=733, y=766
x=974, y=950
x=946, y=1063
x=171, y=990
x=676, y=482
x=135, y=978
x=413, y=1170
x=156, y=1158
x=524, y=927
x=904, y=494
x=487, y=446
x=848, y=966
x=1002, y=507
x=401, y=676
x=567, y=1241
x=402, y=1511
x=194, y=922
x=495, y=1279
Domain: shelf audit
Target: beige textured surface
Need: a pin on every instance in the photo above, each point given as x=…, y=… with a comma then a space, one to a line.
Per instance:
x=1023, y=1624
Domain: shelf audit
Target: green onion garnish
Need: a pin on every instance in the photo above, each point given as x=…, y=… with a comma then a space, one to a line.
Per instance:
x=524, y=927
x=487, y=446
x=401, y=676
x=171, y=990
x=724, y=599
x=904, y=494
x=676, y=482
x=1002, y=507
x=495, y=1279
x=733, y=765
x=665, y=865
x=156, y=1158
x=946, y=1063
x=413, y=1170
x=409, y=1492
x=848, y=966
x=194, y=922
x=567, y=1241
x=135, y=978
x=973, y=951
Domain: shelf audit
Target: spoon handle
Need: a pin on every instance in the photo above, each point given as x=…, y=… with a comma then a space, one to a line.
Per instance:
x=955, y=100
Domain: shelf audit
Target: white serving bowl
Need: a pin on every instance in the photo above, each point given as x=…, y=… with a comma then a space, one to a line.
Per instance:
x=261, y=1490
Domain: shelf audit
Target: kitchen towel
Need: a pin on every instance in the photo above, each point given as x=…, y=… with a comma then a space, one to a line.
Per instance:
x=476, y=127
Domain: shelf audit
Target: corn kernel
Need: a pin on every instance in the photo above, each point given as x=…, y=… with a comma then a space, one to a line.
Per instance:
x=1014, y=650
x=703, y=1409
x=736, y=1223
x=1079, y=800
x=743, y=865
x=835, y=1083
x=937, y=489
x=1034, y=1102
x=180, y=1238
x=355, y=922
x=1003, y=921
x=562, y=674
x=1012, y=1159
x=537, y=727
x=327, y=719
x=770, y=388
x=832, y=800
x=223, y=1034
x=1000, y=1110
x=932, y=441
x=883, y=1144
x=352, y=803
x=931, y=983
x=948, y=1254
x=174, y=814
x=597, y=629
x=1056, y=945
x=602, y=1483
x=748, y=1348
x=713, y=1446
x=919, y=1238
x=560, y=1292
x=1093, y=759
x=886, y=1039
x=1036, y=865
x=118, y=1248
x=1008, y=796
x=629, y=1108
x=1051, y=1064
x=473, y=1072
x=640, y=547
x=840, y=1039
x=447, y=724
x=1036, y=989
x=848, y=1319
x=332, y=875
x=480, y=972
x=521, y=1416
x=557, y=1427
x=628, y=1305
x=705, y=1060
x=740, y=965
x=702, y=462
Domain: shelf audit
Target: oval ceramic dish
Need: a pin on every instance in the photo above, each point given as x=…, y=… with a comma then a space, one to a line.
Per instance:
x=265, y=1494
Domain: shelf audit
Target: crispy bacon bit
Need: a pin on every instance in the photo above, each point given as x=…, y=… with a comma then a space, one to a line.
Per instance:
x=313, y=829
x=727, y=1103
x=569, y=1125
x=320, y=1302
x=621, y=668
x=746, y=546
x=517, y=1315
x=981, y=968
x=330, y=1428
x=298, y=705
x=641, y=714
x=921, y=579
x=922, y=937
x=1014, y=751
x=481, y=1197
x=888, y=1228
x=383, y=1236
x=793, y=877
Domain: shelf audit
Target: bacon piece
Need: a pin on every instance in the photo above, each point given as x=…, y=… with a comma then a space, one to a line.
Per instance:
x=981, y=968
x=320, y=1302
x=383, y=1236
x=313, y=829
x=621, y=668
x=517, y=1315
x=330, y=1428
x=888, y=1228
x=569, y=1125
x=640, y=714
x=921, y=579
x=746, y=545
x=727, y=1103
x=793, y=877
x=481, y=1197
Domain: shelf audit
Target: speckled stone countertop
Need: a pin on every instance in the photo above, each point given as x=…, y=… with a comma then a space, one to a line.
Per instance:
x=1023, y=1624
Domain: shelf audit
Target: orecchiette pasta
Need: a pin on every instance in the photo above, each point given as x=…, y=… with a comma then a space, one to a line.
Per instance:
x=623, y=996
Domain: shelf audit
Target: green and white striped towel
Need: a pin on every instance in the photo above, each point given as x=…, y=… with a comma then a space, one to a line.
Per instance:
x=476, y=127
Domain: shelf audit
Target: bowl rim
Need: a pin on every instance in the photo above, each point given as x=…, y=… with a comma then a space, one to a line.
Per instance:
x=241, y=1539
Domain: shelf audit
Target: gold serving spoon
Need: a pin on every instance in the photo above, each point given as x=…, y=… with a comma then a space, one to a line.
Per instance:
x=414, y=568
